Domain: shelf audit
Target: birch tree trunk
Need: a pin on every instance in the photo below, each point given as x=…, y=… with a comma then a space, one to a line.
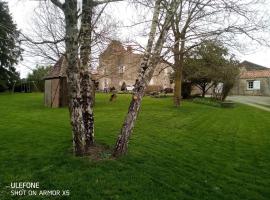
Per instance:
x=81, y=89
x=74, y=78
x=133, y=111
x=150, y=60
x=87, y=86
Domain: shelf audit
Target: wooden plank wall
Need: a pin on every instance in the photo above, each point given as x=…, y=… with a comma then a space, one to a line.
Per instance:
x=48, y=93
x=55, y=93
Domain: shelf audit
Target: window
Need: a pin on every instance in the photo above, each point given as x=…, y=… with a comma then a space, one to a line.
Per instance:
x=253, y=85
x=121, y=69
x=250, y=85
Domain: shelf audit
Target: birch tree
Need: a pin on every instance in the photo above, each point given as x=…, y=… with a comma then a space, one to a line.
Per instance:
x=78, y=42
x=45, y=40
x=150, y=59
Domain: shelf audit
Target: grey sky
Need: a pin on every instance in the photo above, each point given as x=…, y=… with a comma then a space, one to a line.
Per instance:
x=22, y=12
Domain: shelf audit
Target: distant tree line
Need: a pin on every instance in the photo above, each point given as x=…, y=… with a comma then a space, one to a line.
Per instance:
x=37, y=77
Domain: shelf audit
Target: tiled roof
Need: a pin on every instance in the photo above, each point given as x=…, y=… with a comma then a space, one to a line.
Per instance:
x=255, y=74
x=249, y=66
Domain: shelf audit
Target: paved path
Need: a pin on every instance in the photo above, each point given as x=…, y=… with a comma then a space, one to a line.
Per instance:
x=255, y=101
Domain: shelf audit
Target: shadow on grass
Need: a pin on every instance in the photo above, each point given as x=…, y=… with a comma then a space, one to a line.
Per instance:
x=100, y=152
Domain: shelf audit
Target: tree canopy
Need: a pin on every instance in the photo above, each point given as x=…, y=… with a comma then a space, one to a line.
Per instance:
x=38, y=75
x=10, y=50
x=210, y=64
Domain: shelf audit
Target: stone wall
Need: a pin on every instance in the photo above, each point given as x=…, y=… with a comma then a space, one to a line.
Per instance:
x=118, y=65
x=240, y=87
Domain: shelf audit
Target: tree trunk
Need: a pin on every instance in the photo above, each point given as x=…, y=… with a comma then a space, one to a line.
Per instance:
x=203, y=93
x=178, y=66
x=93, y=94
x=74, y=78
x=147, y=69
x=177, y=87
x=203, y=87
x=122, y=141
x=87, y=109
x=133, y=110
x=87, y=85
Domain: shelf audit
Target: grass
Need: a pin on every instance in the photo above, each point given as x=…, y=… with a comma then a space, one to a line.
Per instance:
x=264, y=105
x=195, y=152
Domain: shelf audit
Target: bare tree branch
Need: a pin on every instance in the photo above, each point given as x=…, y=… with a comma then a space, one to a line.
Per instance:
x=95, y=3
x=58, y=4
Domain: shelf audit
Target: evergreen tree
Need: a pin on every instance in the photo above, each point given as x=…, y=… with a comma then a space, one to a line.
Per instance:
x=10, y=50
x=210, y=64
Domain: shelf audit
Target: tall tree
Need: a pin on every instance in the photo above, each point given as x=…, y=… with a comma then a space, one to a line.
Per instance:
x=150, y=60
x=79, y=84
x=209, y=64
x=10, y=50
x=47, y=40
x=211, y=19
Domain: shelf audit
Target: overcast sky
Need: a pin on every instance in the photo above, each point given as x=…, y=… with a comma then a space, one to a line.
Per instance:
x=22, y=12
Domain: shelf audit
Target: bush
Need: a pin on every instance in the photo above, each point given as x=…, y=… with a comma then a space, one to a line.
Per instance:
x=186, y=90
x=207, y=101
x=3, y=87
x=214, y=102
x=168, y=90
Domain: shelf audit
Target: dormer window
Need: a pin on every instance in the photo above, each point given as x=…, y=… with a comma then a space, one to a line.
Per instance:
x=121, y=69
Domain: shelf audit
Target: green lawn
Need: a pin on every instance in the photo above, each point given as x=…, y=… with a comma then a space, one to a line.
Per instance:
x=195, y=152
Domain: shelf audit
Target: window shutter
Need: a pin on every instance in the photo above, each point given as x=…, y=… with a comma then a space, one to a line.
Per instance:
x=257, y=85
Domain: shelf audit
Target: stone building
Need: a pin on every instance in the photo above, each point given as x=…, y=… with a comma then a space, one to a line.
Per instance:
x=253, y=80
x=118, y=64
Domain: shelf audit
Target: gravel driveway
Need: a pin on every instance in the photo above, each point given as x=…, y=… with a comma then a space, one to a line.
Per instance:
x=256, y=101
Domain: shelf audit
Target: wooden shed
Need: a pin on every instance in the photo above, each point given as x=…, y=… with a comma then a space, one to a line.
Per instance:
x=56, y=93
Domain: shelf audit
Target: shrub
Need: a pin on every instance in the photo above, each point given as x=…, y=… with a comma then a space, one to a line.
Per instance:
x=214, y=102
x=186, y=90
x=207, y=101
x=168, y=90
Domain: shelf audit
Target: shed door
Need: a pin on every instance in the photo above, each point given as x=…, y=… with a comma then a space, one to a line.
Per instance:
x=55, y=93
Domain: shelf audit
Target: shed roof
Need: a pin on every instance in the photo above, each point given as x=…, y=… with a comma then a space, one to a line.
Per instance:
x=58, y=70
x=255, y=74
